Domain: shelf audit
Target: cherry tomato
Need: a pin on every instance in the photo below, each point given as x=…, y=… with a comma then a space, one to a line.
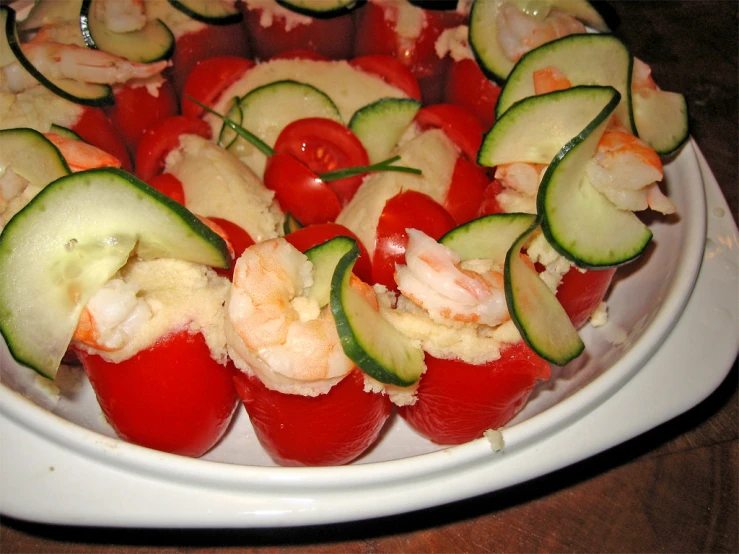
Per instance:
x=390, y=70
x=209, y=42
x=409, y=209
x=325, y=145
x=172, y=396
x=489, y=203
x=161, y=139
x=467, y=191
x=169, y=185
x=239, y=240
x=459, y=124
x=308, y=237
x=208, y=79
x=136, y=109
x=300, y=191
x=376, y=34
x=467, y=86
x=331, y=38
x=330, y=429
x=581, y=293
x=458, y=401
x=94, y=127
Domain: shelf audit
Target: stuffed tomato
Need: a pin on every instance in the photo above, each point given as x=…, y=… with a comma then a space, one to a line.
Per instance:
x=307, y=401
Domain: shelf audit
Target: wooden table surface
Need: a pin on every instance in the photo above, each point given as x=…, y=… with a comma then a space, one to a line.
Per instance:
x=674, y=489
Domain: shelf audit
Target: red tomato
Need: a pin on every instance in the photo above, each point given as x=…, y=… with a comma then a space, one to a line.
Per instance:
x=467, y=191
x=161, y=139
x=467, y=86
x=172, y=397
x=208, y=79
x=581, y=293
x=331, y=38
x=169, y=185
x=489, y=203
x=457, y=401
x=409, y=209
x=459, y=124
x=330, y=429
x=237, y=238
x=376, y=34
x=209, y=42
x=390, y=70
x=325, y=145
x=308, y=237
x=135, y=110
x=300, y=191
x=94, y=127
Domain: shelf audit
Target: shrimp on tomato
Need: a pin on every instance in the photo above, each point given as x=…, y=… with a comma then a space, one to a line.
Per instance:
x=80, y=155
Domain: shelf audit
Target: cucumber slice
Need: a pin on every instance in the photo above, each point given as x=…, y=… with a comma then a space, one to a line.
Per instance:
x=227, y=136
x=32, y=156
x=662, y=119
x=535, y=310
x=86, y=94
x=291, y=224
x=152, y=43
x=380, y=125
x=51, y=263
x=268, y=109
x=534, y=129
x=369, y=340
x=580, y=222
x=212, y=12
x=325, y=257
x=322, y=9
x=489, y=237
x=585, y=60
x=64, y=132
x=483, y=33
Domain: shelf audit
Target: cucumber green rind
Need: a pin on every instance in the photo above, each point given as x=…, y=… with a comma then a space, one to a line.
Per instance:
x=540, y=318
x=369, y=340
x=380, y=125
x=291, y=224
x=325, y=257
x=586, y=60
x=152, y=43
x=227, y=136
x=65, y=132
x=580, y=222
x=321, y=10
x=71, y=239
x=32, y=156
x=86, y=94
x=197, y=10
x=488, y=237
x=535, y=128
x=662, y=120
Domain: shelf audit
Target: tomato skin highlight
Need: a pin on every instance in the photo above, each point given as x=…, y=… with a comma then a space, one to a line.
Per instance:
x=95, y=127
x=171, y=397
x=409, y=209
x=135, y=110
x=458, y=401
x=161, y=139
x=467, y=86
x=331, y=429
x=313, y=235
x=208, y=79
x=581, y=293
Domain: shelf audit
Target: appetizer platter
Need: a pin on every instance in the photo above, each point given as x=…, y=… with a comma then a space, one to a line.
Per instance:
x=229, y=244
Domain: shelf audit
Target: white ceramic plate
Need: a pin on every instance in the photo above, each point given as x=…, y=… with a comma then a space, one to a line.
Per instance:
x=60, y=462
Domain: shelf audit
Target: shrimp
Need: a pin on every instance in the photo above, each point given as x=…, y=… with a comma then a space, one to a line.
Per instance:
x=550, y=79
x=121, y=16
x=80, y=155
x=69, y=61
x=433, y=279
x=519, y=32
x=280, y=332
x=112, y=316
x=626, y=170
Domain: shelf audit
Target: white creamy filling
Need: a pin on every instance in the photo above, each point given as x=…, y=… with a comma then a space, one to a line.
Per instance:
x=271, y=10
x=555, y=265
x=217, y=184
x=432, y=152
x=37, y=108
x=454, y=42
x=178, y=22
x=178, y=295
x=409, y=20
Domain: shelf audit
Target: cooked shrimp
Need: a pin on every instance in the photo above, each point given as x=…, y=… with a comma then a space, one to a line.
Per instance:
x=550, y=79
x=519, y=32
x=521, y=177
x=626, y=170
x=80, y=155
x=69, y=61
x=433, y=279
x=293, y=340
x=112, y=316
x=121, y=16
